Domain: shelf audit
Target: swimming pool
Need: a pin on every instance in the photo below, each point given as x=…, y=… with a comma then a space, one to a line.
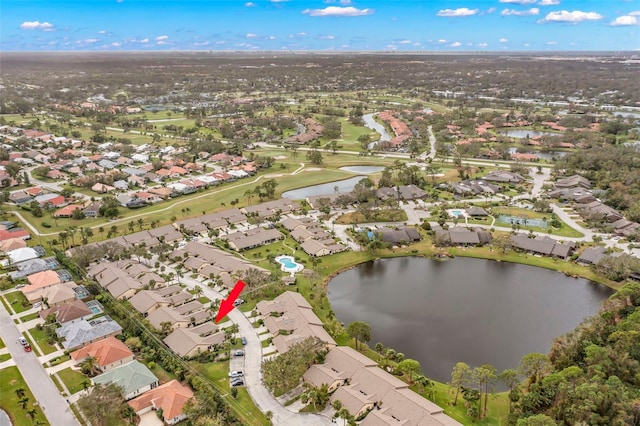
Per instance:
x=457, y=213
x=288, y=264
x=95, y=307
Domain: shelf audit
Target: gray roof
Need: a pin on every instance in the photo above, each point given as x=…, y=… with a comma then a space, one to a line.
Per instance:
x=80, y=333
x=592, y=255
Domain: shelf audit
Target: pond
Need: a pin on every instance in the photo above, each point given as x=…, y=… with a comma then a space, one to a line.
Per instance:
x=472, y=310
x=364, y=170
x=371, y=123
x=521, y=134
x=345, y=185
x=542, y=155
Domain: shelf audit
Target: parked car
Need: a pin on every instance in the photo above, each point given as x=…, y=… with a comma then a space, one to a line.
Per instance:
x=37, y=305
x=238, y=353
x=238, y=302
x=236, y=373
x=22, y=341
x=244, y=341
x=237, y=382
x=27, y=348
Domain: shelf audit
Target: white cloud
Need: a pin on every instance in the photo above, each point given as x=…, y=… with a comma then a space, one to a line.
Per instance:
x=87, y=41
x=513, y=12
x=491, y=10
x=518, y=1
x=404, y=42
x=338, y=11
x=116, y=44
x=549, y=2
x=251, y=35
x=219, y=42
x=144, y=40
x=201, y=43
x=442, y=40
x=162, y=38
x=625, y=20
x=483, y=44
x=463, y=11
x=327, y=37
x=271, y=37
x=503, y=40
x=635, y=13
x=102, y=32
x=36, y=25
x=552, y=43
x=455, y=44
x=575, y=16
x=250, y=4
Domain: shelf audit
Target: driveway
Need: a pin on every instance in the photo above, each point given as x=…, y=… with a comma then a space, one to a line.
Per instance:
x=53, y=405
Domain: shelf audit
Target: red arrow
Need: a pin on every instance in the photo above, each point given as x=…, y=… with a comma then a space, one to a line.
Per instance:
x=226, y=305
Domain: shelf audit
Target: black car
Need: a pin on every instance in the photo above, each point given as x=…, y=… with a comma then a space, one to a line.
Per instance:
x=238, y=353
x=237, y=382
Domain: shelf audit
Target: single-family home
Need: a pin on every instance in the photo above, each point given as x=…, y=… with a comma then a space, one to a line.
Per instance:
x=109, y=353
x=168, y=399
x=81, y=333
x=133, y=377
x=68, y=312
x=188, y=342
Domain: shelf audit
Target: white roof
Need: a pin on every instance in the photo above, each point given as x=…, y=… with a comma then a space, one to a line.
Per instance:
x=21, y=254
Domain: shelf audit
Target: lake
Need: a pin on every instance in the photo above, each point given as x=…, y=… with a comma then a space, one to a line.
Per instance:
x=371, y=123
x=472, y=310
x=363, y=170
x=550, y=155
x=521, y=134
x=345, y=185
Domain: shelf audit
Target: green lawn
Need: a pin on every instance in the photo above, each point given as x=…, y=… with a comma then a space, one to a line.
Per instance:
x=17, y=301
x=163, y=375
x=2, y=345
x=5, y=357
x=12, y=380
x=498, y=406
x=72, y=379
x=218, y=373
x=29, y=317
x=41, y=340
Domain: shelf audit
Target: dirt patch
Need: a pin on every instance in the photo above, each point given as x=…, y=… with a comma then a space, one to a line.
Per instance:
x=313, y=169
x=280, y=157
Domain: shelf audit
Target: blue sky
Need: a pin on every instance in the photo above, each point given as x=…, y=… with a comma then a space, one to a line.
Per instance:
x=281, y=25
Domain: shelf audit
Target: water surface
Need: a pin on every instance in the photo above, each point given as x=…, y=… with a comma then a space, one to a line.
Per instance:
x=365, y=170
x=345, y=185
x=472, y=310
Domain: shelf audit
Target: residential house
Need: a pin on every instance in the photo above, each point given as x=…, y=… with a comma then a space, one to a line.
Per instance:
x=543, y=245
x=133, y=377
x=503, y=176
x=81, y=333
x=146, y=301
x=168, y=399
x=164, y=314
x=41, y=280
x=573, y=182
x=296, y=317
x=367, y=387
x=92, y=210
x=67, y=211
x=68, y=312
x=109, y=353
x=339, y=366
x=255, y=237
x=399, y=235
x=56, y=295
x=188, y=342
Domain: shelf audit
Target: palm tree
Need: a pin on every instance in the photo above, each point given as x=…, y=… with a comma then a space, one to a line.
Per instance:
x=23, y=402
x=20, y=392
x=31, y=413
x=90, y=365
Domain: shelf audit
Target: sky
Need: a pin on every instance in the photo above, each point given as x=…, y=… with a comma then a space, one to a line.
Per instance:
x=320, y=25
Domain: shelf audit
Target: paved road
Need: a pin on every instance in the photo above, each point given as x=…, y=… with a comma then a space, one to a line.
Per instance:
x=54, y=406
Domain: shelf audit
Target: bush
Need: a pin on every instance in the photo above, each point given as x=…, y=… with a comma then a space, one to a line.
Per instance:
x=46, y=225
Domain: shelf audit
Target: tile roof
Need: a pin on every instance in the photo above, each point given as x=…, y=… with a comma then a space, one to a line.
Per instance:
x=131, y=376
x=106, y=351
x=171, y=397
